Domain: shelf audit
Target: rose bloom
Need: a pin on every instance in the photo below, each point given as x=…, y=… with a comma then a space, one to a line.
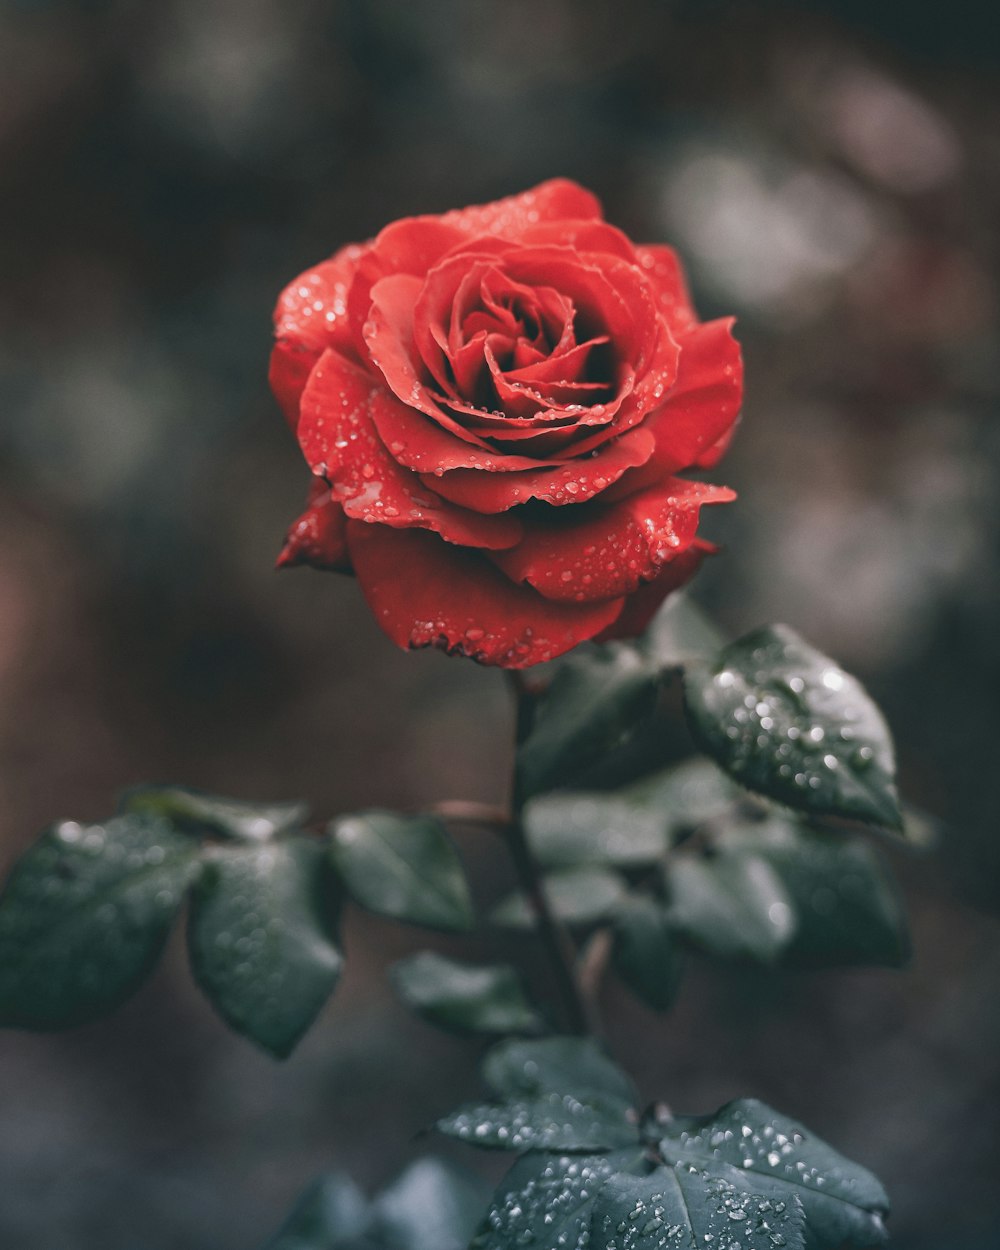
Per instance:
x=494, y=404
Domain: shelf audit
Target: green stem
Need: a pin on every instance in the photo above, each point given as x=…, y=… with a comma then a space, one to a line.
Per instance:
x=554, y=936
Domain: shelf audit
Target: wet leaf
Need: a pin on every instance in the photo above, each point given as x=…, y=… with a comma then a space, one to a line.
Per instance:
x=402, y=866
x=691, y=1209
x=732, y=906
x=475, y=998
x=745, y=1178
x=547, y=1201
x=787, y=722
x=546, y=1122
x=576, y=896
x=263, y=941
x=561, y=1065
x=846, y=904
x=557, y=1093
x=645, y=953
x=85, y=915
x=749, y=1145
x=195, y=812
x=595, y=702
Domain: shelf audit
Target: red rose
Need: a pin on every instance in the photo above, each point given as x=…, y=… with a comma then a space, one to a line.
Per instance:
x=495, y=403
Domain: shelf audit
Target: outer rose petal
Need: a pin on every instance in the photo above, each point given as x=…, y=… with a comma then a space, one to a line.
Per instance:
x=426, y=593
x=663, y=268
x=641, y=607
x=340, y=443
x=555, y=200
x=318, y=537
x=311, y=315
x=604, y=551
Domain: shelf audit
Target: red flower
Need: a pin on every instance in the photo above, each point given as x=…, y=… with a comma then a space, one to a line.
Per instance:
x=495, y=403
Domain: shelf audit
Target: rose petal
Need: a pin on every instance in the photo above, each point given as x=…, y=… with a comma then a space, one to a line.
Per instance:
x=555, y=200
x=424, y=593
x=604, y=551
x=701, y=407
x=643, y=605
x=582, y=236
x=388, y=334
x=318, y=536
x=310, y=315
x=663, y=268
x=340, y=443
x=570, y=482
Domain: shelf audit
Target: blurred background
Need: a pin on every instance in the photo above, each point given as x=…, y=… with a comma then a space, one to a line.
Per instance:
x=831, y=172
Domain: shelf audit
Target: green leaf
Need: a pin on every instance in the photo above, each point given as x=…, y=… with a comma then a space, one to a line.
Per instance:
x=547, y=1200
x=691, y=1209
x=568, y=829
x=787, y=722
x=680, y=633
x=595, y=701
x=85, y=915
x=405, y=867
x=560, y=1065
x=846, y=904
x=748, y=1144
x=645, y=953
x=263, y=942
x=208, y=813
x=630, y=826
x=687, y=795
x=624, y=1201
x=745, y=1176
x=555, y=1093
x=433, y=1205
x=735, y=907
x=474, y=998
x=547, y=1122
x=576, y=896
x=332, y=1212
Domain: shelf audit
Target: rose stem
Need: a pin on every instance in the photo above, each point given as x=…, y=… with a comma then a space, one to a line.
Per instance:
x=555, y=938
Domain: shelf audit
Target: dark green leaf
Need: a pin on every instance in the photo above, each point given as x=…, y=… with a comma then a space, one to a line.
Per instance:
x=691, y=1209
x=432, y=1206
x=547, y=1200
x=731, y=906
x=680, y=633
x=559, y=1065
x=556, y=1093
x=547, y=1122
x=567, y=829
x=476, y=998
x=749, y=1145
x=85, y=915
x=594, y=703
x=632, y=825
x=645, y=953
x=402, y=866
x=331, y=1213
x=787, y=722
x=262, y=935
x=846, y=904
x=208, y=813
x=687, y=795
x=576, y=896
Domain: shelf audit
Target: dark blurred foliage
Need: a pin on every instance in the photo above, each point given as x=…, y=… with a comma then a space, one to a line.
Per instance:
x=832, y=174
